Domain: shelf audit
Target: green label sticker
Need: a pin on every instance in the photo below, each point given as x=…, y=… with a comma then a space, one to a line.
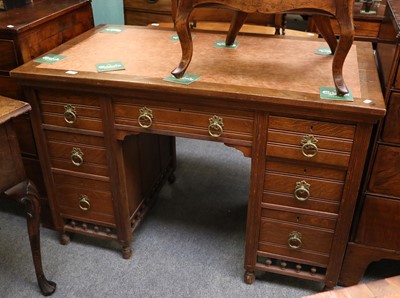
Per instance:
x=221, y=44
x=109, y=66
x=185, y=80
x=330, y=93
x=367, y=12
x=175, y=37
x=323, y=51
x=50, y=58
x=113, y=30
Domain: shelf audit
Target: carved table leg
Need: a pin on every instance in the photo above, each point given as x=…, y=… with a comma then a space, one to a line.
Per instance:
x=345, y=19
x=32, y=207
x=184, y=9
x=239, y=17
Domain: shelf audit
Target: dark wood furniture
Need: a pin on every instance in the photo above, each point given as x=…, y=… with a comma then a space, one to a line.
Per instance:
x=375, y=233
x=15, y=185
x=341, y=9
x=26, y=33
x=366, y=25
x=145, y=12
x=307, y=153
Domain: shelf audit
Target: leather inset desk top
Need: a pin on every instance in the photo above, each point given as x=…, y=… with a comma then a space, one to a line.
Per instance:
x=274, y=63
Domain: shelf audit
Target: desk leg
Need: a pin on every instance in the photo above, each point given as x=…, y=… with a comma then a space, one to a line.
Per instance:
x=182, y=29
x=30, y=200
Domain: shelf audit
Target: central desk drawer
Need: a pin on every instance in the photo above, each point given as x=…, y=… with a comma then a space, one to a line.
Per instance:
x=184, y=119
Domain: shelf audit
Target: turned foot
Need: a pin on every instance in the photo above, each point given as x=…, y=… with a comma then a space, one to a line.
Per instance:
x=249, y=277
x=126, y=252
x=64, y=239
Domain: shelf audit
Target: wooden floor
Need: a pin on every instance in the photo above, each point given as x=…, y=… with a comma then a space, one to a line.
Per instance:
x=388, y=288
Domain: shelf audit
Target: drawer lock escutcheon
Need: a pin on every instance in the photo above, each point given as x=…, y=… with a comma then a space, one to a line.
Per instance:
x=309, y=146
x=145, y=118
x=302, y=190
x=216, y=126
x=77, y=156
x=294, y=240
x=84, y=202
x=70, y=114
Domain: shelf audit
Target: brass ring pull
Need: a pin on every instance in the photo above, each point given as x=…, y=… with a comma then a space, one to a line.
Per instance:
x=70, y=114
x=77, y=156
x=309, y=146
x=84, y=202
x=302, y=190
x=216, y=126
x=145, y=118
x=294, y=240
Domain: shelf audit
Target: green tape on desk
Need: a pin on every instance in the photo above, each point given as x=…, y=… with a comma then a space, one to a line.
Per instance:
x=50, y=58
x=185, y=80
x=331, y=94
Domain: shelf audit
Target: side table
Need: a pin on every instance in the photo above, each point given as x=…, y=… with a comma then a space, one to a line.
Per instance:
x=15, y=185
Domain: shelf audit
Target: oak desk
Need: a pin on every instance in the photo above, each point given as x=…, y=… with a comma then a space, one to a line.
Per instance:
x=307, y=153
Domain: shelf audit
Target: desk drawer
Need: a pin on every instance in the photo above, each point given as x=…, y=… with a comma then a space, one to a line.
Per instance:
x=385, y=177
x=84, y=199
x=310, y=242
x=311, y=141
x=185, y=120
x=70, y=110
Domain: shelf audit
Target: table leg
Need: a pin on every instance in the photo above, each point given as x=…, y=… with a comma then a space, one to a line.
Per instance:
x=30, y=200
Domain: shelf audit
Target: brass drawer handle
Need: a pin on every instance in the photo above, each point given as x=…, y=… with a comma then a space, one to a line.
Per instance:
x=294, y=240
x=302, y=190
x=77, y=156
x=84, y=202
x=216, y=126
x=145, y=118
x=309, y=146
x=70, y=114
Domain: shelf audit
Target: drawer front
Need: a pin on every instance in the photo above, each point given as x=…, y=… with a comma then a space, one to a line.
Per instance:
x=391, y=128
x=379, y=224
x=311, y=141
x=84, y=199
x=71, y=110
x=187, y=120
x=306, y=242
x=303, y=188
x=385, y=177
x=155, y=6
x=362, y=28
x=8, y=57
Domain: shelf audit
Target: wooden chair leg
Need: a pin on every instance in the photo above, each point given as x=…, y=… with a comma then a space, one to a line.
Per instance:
x=324, y=27
x=30, y=200
x=345, y=20
x=182, y=15
x=239, y=17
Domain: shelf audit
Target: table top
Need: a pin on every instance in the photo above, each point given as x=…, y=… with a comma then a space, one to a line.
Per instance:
x=10, y=108
x=262, y=70
x=35, y=13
